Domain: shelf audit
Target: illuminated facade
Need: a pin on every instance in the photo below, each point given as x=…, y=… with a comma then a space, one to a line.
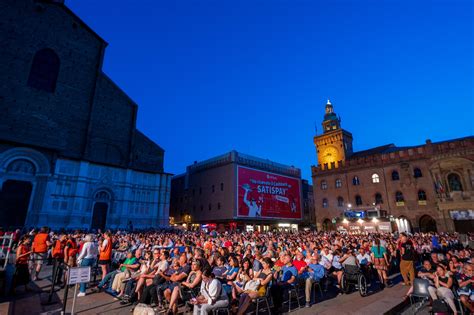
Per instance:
x=421, y=188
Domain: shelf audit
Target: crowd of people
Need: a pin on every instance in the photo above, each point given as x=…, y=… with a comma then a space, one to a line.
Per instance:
x=207, y=271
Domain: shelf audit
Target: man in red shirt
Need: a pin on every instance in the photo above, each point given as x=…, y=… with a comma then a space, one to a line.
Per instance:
x=40, y=246
x=299, y=262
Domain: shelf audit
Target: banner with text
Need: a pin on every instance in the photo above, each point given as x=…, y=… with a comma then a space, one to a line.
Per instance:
x=267, y=195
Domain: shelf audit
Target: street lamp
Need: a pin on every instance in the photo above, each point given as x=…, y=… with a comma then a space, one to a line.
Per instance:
x=349, y=205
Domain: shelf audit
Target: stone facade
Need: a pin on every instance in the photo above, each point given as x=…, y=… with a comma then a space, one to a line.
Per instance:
x=414, y=183
x=67, y=129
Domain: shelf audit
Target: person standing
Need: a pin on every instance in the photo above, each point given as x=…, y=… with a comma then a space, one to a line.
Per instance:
x=22, y=274
x=58, y=257
x=408, y=256
x=105, y=253
x=379, y=257
x=41, y=242
x=87, y=258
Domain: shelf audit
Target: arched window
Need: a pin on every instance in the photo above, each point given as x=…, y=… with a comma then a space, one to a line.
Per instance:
x=378, y=199
x=44, y=70
x=325, y=203
x=395, y=175
x=417, y=173
x=340, y=201
x=399, y=197
x=324, y=185
x=355, y=181
x=375, y=178
x=454, y=182
x=358, y=200
x=421, y=195
x=338, y=183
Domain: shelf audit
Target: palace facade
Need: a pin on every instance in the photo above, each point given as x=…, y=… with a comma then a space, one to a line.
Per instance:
x=428, y=187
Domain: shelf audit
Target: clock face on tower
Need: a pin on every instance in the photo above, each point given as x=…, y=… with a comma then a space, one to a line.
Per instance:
x=330, y=154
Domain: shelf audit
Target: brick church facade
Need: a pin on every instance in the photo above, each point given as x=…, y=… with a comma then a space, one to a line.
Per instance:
x=427, y=187
x=70, y=153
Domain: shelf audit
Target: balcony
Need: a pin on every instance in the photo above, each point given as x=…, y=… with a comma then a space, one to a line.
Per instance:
x=455, y=196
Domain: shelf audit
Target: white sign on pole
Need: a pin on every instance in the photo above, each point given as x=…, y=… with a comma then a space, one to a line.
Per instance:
x=79, y=275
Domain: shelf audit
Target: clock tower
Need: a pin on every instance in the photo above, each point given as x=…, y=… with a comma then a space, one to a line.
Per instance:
x=335, y=144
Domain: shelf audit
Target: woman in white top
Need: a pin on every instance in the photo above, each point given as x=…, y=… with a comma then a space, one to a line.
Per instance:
x=212, y=297
x=87, y=258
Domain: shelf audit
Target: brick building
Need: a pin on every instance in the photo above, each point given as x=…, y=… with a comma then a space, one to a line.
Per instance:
x=212, y=192
x=70, y=153
x=424, y=187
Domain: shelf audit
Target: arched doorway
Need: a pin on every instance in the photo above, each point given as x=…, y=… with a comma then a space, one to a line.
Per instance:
x=427, y=224
x=101, y=206
x=14, y=202
x=327, y=225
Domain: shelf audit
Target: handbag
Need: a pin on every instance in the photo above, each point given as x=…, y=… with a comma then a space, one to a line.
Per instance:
x=252, y=285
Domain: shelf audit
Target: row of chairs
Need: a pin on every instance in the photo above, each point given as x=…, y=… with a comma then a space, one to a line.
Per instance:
x=420, y=295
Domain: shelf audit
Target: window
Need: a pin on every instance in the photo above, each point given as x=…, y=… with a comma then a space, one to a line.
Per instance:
x=213, y=188
x=375, y=178
x=395, y=175
x=338, y=183
x=454, y=182
x=202, y=207
x=218, y=206
x=340, y=202
x=399, y=197
x=421, y=195
x=355, y=181
x=324, y=185
x=194, y=191
x=222, y=186
x=210, y=207
x=325, y=203
x=378, y=199
x=200, y=190
x=417, y=173
x=358, y=200
x=44, y=70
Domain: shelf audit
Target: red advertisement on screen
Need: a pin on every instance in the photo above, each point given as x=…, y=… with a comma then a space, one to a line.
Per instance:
x=267, y=195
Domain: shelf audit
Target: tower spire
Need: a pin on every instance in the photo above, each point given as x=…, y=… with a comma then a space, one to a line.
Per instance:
x=331, y=120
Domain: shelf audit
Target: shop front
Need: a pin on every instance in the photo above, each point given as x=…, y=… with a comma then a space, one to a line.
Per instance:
x=365, y=226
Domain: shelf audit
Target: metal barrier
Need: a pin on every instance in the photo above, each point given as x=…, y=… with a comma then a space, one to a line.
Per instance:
x=7, y=244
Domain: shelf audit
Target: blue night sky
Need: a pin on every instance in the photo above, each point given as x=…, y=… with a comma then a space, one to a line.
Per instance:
x=254, y=75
